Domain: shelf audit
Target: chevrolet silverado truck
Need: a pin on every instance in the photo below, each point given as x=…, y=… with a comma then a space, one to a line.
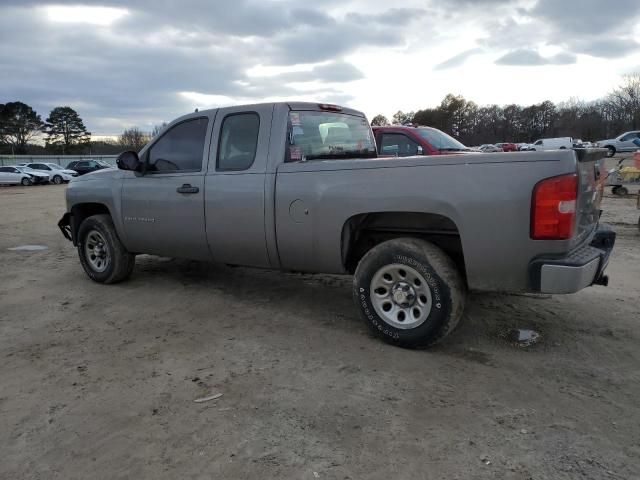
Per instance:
x=299, y=187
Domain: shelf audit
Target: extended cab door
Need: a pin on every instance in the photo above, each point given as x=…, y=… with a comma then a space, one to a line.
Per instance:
x=163, y=209
x=235, y=186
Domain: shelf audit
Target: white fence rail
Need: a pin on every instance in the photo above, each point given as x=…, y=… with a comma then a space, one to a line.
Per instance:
x=63, y=160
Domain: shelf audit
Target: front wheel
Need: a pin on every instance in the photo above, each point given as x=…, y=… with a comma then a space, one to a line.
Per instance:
x=26, y=182
x=57, y=180
x=611, y=151
x=409, y=292
x=102, y=254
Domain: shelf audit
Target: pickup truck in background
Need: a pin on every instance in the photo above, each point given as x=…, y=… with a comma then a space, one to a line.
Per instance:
x=408, y=141
x=299, y=187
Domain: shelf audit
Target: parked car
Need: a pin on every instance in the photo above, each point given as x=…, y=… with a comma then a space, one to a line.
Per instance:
x=37, y=178
x=407, y=141
x=560, y=143
x=298, y=187
x=87, y=166
x=526, y=147
x=622, y=143
x=489, y=148
x=13, y=176
x=56, y=173
x=507, y=147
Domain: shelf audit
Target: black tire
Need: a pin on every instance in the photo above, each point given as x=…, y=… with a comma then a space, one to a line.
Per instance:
x=442, y=278
x=25, y=182
x=58, y=180
x=611, y=151
x=622, y=191
x=121, y=262
x=563, y=148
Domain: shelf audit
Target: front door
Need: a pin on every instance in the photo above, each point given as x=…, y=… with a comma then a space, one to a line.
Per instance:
x=627, y=141
x=163, y=209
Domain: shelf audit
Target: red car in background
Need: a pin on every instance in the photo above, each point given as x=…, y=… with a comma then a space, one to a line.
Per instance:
x=507, y=147
x=407, y=141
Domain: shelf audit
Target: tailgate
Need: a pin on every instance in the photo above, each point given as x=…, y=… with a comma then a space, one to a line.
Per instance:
x=590, y=189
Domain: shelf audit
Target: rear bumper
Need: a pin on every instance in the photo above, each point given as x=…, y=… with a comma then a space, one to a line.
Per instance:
x=580, y=269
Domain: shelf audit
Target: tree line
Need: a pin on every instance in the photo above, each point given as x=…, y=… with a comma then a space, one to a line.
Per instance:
x=22, y=131
x=64, y=132
x=472, y=124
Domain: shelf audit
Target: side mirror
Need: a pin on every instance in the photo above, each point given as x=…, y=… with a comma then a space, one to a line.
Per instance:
x=129, y=161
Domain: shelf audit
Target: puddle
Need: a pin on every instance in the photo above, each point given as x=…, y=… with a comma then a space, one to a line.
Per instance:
x=522, y=337
x=28, y=248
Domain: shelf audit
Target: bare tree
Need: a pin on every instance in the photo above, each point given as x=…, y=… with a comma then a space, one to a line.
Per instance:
x=157, y=129
x=625, y=101
x=133, y=139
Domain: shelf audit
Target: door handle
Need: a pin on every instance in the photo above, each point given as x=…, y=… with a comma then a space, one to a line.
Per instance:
x=187, y=188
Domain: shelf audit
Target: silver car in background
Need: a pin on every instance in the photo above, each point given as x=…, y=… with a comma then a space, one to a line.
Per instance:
x=622, y=143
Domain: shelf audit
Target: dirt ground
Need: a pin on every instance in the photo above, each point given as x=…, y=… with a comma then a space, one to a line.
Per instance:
x=100, y=381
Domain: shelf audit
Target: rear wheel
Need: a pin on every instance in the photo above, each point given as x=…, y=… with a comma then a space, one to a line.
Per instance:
x=611, y=151
x=57, y=180
x=102, y=254
x=622, y=191
x=409, y=292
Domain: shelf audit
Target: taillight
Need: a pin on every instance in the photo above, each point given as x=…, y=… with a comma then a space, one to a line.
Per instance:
x=553, y=208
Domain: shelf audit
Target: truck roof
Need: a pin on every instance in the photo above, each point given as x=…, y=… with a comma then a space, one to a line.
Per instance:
x=313, y=106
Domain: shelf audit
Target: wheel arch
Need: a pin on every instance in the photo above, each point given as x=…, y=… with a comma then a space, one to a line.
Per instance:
x=362, y=232
x=81, y=211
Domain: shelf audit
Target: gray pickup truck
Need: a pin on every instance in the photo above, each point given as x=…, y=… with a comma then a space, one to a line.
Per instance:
x=299, y=187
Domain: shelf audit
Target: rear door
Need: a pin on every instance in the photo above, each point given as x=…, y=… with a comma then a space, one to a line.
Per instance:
x=163, y=210
x=235, y=186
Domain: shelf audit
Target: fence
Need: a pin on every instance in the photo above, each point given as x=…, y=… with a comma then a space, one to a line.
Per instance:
x=63, y=160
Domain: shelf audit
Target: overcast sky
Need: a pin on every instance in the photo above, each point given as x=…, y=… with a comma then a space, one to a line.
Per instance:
x=122, y=63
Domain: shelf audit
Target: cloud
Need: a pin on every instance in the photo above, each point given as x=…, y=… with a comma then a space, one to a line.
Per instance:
x=132, y=70
x=458, y=60
x=526, y=57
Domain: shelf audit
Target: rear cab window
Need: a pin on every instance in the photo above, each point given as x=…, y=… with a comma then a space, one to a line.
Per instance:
x=313, y=135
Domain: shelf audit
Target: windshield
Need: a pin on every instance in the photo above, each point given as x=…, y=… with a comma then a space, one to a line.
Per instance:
x=25, y=169
x=54, y=166
x=103, y=163
x=328, y=135
x=440, y=140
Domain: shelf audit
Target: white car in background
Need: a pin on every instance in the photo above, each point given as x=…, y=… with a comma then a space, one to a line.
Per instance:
x=57, y=173
x=560, y=143
x=37, y=178
x=622, y=143
x=13, y=176
x=489, y=148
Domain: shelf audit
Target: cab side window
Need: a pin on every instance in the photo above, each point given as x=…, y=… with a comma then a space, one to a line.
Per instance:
x=238, y=141
x=180, y=149
x=397, y=144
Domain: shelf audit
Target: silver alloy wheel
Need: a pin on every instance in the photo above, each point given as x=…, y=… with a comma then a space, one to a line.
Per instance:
x=400, y=296
x=57, y=180
x=96, y=251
